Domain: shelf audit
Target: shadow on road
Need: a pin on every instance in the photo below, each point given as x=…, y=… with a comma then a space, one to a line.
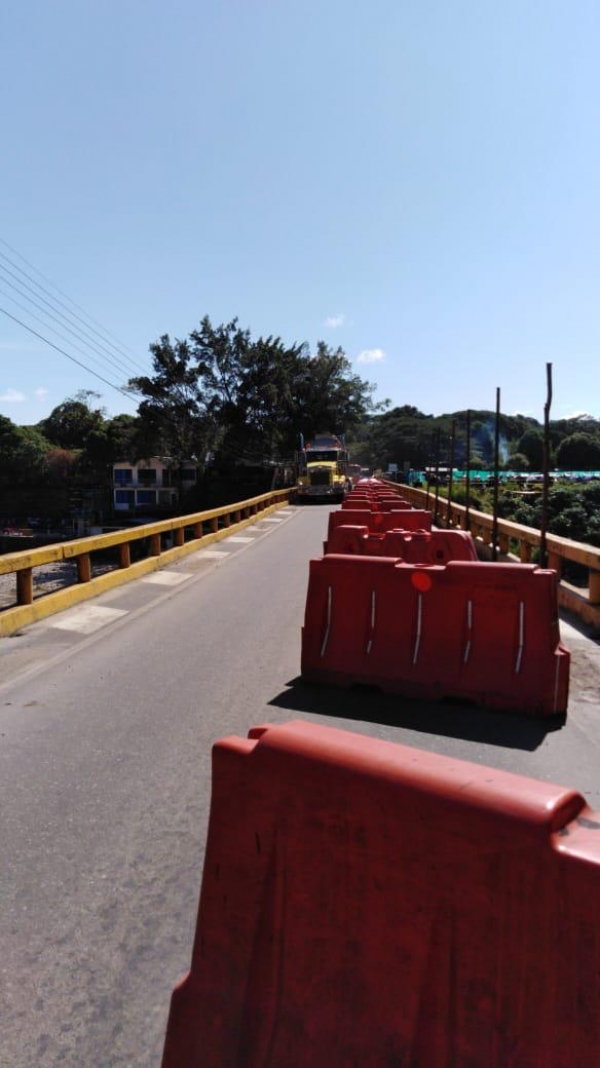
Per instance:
x=448, y=719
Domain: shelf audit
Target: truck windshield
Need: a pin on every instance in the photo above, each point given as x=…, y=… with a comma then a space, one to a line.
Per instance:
x=321, y=455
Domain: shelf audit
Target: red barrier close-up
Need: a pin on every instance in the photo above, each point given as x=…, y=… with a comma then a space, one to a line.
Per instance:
x=365, y=903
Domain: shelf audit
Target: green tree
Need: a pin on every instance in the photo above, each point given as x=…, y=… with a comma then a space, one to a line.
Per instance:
x=579, y=452
x=70, y=423
x=531, y=445
x=174, y=418
x=264, y=393
x=23, y=466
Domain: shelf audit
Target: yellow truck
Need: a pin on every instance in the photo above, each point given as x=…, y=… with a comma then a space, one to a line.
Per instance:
x=322, y=467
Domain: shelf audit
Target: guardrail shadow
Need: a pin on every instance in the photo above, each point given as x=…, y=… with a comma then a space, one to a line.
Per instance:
x=451, y=718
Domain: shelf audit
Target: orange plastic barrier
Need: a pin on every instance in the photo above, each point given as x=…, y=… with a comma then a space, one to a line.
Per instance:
x=486, y=633
x=380, y=522
x=418, y=547
x=366, y=903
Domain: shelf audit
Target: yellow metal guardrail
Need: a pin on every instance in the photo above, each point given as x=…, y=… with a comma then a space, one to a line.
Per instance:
x=516, y=541
x=188, y=533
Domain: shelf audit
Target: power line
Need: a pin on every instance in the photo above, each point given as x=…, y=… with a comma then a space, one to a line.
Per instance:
x=61, y=321
x=69, y=357
x=108, y=334
x=38, y=319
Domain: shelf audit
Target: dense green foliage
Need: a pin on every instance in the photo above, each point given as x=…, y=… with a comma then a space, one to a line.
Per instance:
x=227, y=400
x=406, y=436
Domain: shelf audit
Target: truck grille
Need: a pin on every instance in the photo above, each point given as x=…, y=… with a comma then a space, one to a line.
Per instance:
x=319, y=478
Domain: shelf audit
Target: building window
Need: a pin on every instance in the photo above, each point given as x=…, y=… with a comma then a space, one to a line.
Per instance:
x=123, y=475
x=147, y=476
x=146, y=496
x=124, y=497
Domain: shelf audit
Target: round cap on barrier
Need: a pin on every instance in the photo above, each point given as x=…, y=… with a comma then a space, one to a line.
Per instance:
x=421, y=581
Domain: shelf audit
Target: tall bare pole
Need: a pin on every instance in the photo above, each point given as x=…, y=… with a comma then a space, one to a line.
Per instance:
x=437, y=475
x=450, y=477
x=546, y=468
x=496, y=477
x=468, y=472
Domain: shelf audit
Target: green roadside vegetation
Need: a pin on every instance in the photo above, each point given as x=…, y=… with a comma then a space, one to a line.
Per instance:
x=235, y=405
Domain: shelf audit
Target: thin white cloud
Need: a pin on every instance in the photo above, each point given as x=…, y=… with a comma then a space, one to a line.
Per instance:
x=12, y=396
x=333, y=321
x=370, y=356
x=41, y=392
x=578, y=415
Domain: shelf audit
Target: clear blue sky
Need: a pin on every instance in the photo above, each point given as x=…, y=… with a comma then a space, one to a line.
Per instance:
x=415, y=180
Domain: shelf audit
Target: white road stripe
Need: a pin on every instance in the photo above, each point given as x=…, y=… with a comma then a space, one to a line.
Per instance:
x=238, y=539
x=166, y=578
x=211, y=554
x=272, y=519
x=86, y=618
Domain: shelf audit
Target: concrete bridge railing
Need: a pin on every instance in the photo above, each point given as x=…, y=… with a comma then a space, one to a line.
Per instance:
x=518, y=542
x=157, y=543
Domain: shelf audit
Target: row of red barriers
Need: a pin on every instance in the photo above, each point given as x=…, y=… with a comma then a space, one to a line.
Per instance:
x=487, y=633
x=411, y=610
x=413, y=547
x=364, y=903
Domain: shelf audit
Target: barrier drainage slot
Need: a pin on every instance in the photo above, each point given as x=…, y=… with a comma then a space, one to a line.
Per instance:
x=419, y=625
x=469, y=631
x=521, y=637
x=372, y=631
x=328, y=624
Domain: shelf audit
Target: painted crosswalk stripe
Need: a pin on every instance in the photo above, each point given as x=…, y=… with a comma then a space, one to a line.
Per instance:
x=86, y=618
x=166, y=578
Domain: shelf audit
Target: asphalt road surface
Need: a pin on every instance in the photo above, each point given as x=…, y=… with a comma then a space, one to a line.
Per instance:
x=107, y=716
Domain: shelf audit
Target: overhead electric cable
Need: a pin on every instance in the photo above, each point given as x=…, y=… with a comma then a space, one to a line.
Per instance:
x=38, y=319
x=121, y=346
x=69, y=357
x=76, y=331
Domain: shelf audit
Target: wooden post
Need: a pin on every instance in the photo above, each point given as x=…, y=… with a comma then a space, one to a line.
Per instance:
x=179, y=536
x=125, y=555
x=198, y=530
x=546, y=474
x=84, y=568
x=554, y=563
x=594, y=587
x=496, y=477
x=155, y=545
x=214, y=525
x=525, y=552
x=25, y=586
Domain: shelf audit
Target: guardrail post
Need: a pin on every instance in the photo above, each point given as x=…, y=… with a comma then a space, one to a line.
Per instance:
x=84, y=568
x=594, y=587
x=525, y=552
x=125, y=555
x=197, y=530
x=214, y=525
x=227, y=519
x=504, y=543
x=25, y=586
x=180, y=536
x=555, y=563
x=155, y=545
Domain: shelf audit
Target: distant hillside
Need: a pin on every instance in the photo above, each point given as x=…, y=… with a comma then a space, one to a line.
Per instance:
x=407, y=435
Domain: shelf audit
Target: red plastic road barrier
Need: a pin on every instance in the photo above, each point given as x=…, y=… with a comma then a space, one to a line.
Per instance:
x=366, y=903
x=379, y=522
x=487, y=633
x=418, y=547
